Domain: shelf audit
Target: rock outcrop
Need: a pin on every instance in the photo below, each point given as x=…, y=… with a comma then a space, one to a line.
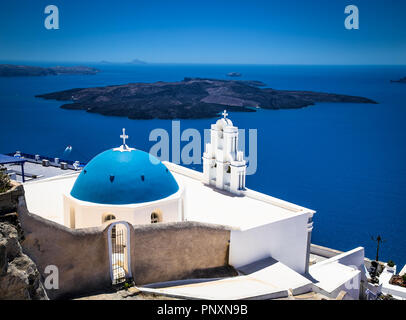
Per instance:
x=19, y=276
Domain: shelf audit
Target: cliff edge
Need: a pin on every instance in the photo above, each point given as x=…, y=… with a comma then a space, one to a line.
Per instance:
x=19, y=276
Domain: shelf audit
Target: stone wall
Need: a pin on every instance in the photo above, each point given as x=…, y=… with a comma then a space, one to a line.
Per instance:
x=182, y=250
x=9, y=199
x=81, y=255
x=159, y=252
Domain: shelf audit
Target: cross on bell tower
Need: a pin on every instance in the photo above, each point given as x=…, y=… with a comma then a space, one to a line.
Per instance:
x=124, y=137
x=225, y=114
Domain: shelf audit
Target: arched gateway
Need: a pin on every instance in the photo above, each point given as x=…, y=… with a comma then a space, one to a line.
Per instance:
x=119, y=251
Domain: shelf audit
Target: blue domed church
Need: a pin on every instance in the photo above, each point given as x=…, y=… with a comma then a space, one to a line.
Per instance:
x=124, y=184
x=127, y=215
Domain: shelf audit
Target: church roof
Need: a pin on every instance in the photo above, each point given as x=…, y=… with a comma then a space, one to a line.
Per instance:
x=124, y=176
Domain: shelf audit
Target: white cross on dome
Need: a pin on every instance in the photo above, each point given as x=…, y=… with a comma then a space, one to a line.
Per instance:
x=225, y=114
x=124, y=137
x=124, y=147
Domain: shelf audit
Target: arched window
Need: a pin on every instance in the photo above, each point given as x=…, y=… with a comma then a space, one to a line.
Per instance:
x=108, y=217
x=156, y=216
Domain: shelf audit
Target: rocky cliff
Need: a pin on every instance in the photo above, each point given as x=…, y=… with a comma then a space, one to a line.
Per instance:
x=19, y=276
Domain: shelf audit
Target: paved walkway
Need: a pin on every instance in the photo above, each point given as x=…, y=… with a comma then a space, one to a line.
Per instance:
x=130, y=294
x=265, y=279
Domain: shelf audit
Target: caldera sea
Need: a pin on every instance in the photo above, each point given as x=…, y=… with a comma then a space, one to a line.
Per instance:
x=346, y=161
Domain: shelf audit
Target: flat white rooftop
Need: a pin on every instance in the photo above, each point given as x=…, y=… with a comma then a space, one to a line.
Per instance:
x=331, y=275
x=35, y=171
x=209, y=205
x=202, y=203
x=45, y=197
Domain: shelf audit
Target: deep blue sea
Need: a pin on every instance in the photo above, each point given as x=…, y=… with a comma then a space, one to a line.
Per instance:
x=346, y=161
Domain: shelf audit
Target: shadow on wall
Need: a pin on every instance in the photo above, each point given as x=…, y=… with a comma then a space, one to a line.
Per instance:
x=180, y=250
x=158, y=252
x=81, y=256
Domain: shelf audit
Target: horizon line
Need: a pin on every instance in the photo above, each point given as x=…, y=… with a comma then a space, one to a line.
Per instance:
x=145, y=63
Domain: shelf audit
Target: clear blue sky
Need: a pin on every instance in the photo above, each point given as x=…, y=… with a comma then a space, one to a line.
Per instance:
x=218, y=31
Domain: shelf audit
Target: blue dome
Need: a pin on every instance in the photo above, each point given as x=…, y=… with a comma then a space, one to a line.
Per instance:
x=115, y=177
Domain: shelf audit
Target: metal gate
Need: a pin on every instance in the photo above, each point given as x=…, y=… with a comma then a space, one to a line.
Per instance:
x=118, y=255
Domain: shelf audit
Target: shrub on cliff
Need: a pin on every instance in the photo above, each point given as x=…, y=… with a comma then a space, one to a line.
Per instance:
x=4, y=182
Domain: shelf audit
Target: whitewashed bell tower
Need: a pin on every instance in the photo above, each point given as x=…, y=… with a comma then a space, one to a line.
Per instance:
x=223, y=165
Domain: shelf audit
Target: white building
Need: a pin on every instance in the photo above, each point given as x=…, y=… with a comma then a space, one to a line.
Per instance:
x=126, y=184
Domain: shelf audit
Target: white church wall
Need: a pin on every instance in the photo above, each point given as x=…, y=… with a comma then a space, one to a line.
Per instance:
x=285, y=241
x=90, y=215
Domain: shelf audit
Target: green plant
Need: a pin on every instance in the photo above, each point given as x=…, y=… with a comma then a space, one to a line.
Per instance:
x=404, y=278
x=126, y=285
x=391, y=263
x=4, y=182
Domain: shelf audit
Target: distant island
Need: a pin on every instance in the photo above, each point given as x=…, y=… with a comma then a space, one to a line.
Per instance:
x=138, y=61
x=134, y=61
x=402, y=80
x=234, y=74
x=11, y=70
x=191, y=98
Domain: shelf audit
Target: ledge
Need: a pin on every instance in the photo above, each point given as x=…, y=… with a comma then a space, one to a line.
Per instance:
x=9, y=199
